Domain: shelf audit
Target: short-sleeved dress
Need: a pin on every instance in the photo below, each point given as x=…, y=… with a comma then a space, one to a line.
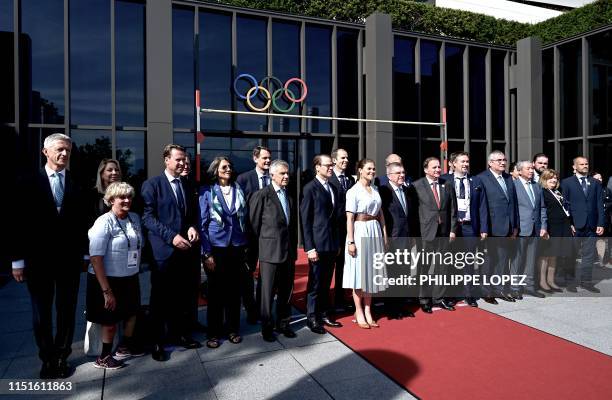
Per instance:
x=359, y=271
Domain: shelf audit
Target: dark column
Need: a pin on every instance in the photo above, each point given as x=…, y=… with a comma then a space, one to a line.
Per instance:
x=529, y=97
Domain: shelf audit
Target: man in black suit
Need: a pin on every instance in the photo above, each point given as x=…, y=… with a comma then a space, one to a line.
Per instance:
x=540, y=164
x=273, y=220
x=170, y=216
x=437, y=219
x=319, y=217
x=250, y=182
x=391, y=159
x=397, y=208
x=342, y=180
x=51, y=260
x=585, y=198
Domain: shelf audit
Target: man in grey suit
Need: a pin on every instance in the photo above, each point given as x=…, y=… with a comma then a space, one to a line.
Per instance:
x=532, y=220
x=274, y=224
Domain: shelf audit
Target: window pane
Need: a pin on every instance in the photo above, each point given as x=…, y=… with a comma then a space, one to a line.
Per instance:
x=600, y=154
x=408, y=149
x=286, y=65
x=131, y=155
x=348, y=79
x=478, y=156
x=571, y=89
x=601, y=81
x=283, y=149
x=318, y=76
x=215, y=69
x=183, y=84
x=454, y=90
x=548, y=92
x=90, y=77
x=568, y=150
x=497, y=94
x=405, y=101
x=89, y=147
x=33, y=159
x=7, y=73
x=187, y=140
x=352, y=148
x=430, y=85
x=477, y=93
x=130, y=63
x=549, y=150
x=252, y=59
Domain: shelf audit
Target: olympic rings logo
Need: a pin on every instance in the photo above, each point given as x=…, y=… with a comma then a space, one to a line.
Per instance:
x=270, y=89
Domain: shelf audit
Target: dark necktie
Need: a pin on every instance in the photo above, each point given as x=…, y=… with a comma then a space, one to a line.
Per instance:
x=343, y=182
x=264, y=181
x=461, y=214
x=584, y=185
x=435, y=193
x=179, y=195
x=329, y=192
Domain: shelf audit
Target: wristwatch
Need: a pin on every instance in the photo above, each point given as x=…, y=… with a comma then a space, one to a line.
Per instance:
x=206, y=256
x=350, y=242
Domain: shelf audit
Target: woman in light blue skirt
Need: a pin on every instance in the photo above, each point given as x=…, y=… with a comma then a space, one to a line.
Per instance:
x=366, y=236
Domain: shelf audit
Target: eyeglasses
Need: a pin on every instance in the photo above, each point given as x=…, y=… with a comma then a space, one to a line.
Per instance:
x=226, y=168
x=397, y=173
x=500, y=160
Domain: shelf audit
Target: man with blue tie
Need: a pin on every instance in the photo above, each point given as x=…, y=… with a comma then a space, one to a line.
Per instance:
x=250, y=182
x=503, y=220
x=50, y=260
x=585, y=199
x=318, y=213
x=533, y=225
x=273, y=220
x=171, y=216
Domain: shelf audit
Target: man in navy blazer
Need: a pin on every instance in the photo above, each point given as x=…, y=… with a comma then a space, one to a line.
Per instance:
x=319, y=217
x=170, y=217
x=250, y=182
x=585, y=198
x=384, y=179
x=503, y=220
x=472, y=212
x=533, y=224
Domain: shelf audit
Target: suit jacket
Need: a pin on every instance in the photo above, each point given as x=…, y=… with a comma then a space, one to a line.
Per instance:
x=429, y=214
x=532, y=218
x=334, y=181
x=49, y=242
x=503, y=211
x=249, y=183
x=559, y=223
x=397, y=221
x=230, y=231
x=319, y=218
x=586, y=211
x=162, y=217
x=277, y=237
x=479, y=209
x=384, y=179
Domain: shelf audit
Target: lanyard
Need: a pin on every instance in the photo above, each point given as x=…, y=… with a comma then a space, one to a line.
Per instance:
x=125, y=233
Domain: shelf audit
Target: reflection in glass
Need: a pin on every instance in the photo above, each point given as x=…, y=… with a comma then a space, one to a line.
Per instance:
x=129, y=63
x=286, y=65
x=89, y=147
x=7, y=73
x=430, y=85
x=601, y=83
x=318, y=76
x=33, y=159
x=252, y=56
x=497, y=94
x=348, y=79
x=187, y=140
x=568, y=150
x=90, y=77
x=600, y=154
x=571, y=89
x=478, y=156
x=477, y=93
x=43, y=23
x=283, y=149
x=131, y=155
x=454, y=91
x=183, y=74
x=548, y=98
x=405, y=100
x=215, y=55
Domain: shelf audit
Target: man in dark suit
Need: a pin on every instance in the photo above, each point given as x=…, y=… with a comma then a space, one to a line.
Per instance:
x=342, y=181
x=540, y=164
x=273, y=220
x=585, y=198
x=52, y=259
x=533, y=224
x=250, y=182
x=397, y=210
x=384, y=179
x=170, y=217
x=319, y=217
x=503, y=219
x=472, y=212
x=437, y=219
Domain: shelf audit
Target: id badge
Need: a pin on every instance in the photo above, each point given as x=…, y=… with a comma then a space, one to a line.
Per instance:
x=462, y=204
x=133, y=259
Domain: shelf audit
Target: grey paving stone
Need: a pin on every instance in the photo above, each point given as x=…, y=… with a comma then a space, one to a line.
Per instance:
x=15, y=321
x=252, y=343
x=179, y=358
x=262, y=376
x=304, y=337
x=373, y=386
x=29, y=368
x=3, y=366
x=10, y=343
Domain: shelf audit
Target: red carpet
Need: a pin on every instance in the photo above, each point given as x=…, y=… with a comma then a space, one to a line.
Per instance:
x=474, y=354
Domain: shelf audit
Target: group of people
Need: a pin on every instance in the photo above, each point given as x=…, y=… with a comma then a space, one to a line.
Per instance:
x=233, y=224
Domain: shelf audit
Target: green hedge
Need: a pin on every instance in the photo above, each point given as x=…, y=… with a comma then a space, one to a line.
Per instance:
x=421, y=17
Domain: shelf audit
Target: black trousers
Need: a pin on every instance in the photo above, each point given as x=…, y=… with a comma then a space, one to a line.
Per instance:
x=44, y=287
x=499, y=251
x=276, y=278
x=339, y=292
x=172, y=296
x=250, y=301
x=469, y=241
x=224, y=286
x=433, y=294
x=319, y=281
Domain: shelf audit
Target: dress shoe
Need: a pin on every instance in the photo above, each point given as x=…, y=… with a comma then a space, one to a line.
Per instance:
x=571, y=288
x=516, y=296
x=450, y=302
x=159, y=353
x=316, y=327
x=549, y=291
x=48, y=370
x=394, y=315
x=286, y=331
x=63, y=369
x=534, y=293
x=506, y=297
x=426, y=308
x=408, y=314
x=268, y=335
x=188, y=343
x=445, y=305
x=472, y=302
x=490, y=300
x=589, y=287
x=330, y=323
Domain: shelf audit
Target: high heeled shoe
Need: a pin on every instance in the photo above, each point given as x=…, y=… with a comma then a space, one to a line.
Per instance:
x=362, y=326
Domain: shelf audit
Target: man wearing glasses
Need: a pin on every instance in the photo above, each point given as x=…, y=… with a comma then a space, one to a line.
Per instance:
x=318, y=212
x=503, y=220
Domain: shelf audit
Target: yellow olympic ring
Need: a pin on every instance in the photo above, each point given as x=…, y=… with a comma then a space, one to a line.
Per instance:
x=263, y=90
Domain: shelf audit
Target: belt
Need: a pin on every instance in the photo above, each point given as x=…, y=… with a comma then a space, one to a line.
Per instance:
x=465, y=222
x=365, y=217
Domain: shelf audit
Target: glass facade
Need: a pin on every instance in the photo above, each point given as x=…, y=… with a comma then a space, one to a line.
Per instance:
x=7, y=71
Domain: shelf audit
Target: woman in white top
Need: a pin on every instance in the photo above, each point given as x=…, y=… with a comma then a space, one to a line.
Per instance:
x=113, y=290
x=365, y=227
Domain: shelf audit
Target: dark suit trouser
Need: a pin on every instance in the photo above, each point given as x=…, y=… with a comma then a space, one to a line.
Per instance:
x=588, y=241
x=319, y=281
x=279, y=278
x=469, y=240
x=224, y=291
x=499, y=256
x=524, y=261
x=433, y=293
x=249, y=299
x=43, y=288
x=339, y=268
x=172, y=296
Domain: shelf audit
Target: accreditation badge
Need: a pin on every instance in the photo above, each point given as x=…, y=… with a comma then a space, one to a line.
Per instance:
x=462, y=204
x=133, y=259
